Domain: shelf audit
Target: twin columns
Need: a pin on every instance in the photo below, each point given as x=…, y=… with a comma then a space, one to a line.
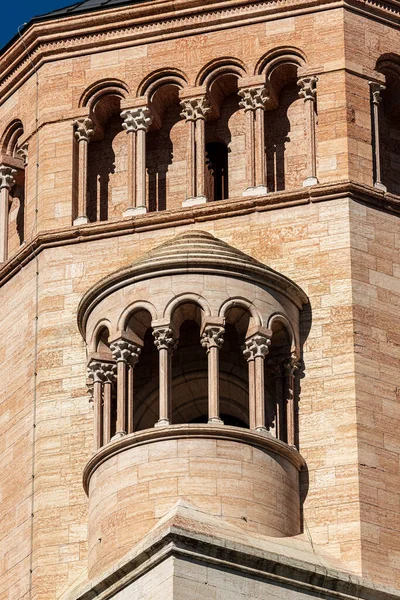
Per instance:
x=196, y=107
x=126, y=350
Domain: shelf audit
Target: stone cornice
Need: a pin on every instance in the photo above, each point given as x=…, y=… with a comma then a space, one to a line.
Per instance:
x=185, y=538
x=145, y=23
x=199, y=214
x=258, y=439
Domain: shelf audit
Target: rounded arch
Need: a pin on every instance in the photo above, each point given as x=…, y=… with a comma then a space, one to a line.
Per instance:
x=132, y=309
x=388, y=62
x=279, y=319
x=10, y=137
x=100, y=335
x=288, y=55
x=186, y=298
x=154, y=80
x=104, y=87
x=245, y=305
x=218, y=67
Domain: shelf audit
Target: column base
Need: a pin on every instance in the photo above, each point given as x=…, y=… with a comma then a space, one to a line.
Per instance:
x=258, y=190
x=134, y=211
x=162, y=423
x=81, y=220
x=379, y=186
x=310, y=181
x=215, y=421
x=118, y=435
x=194, y=201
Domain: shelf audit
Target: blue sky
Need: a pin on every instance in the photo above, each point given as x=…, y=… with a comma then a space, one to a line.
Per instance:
x=14, y=13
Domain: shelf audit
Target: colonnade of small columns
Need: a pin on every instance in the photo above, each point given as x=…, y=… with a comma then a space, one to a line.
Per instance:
x=196, y=106
x=104, y=373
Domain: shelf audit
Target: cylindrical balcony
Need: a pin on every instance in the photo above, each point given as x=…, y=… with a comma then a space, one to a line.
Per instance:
x=247, y=478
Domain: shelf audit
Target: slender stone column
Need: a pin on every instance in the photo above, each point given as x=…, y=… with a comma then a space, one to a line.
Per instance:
x=290, y=368
x=194, y=111
x=254, y=100
x=84, y=130
x=136, y=123
x=126, y=355
x=212, y=339
x=165, y=342
x=6, y=182
x=308, y=91
x=376, y=99
x=102, y=373
x=255, y=350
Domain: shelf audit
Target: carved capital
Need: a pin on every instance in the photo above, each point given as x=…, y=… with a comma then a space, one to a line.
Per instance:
x=308, y=88
x=376, y=92
x=102, y=371
x=164, y=339
x=136, y=119
x=253, y=98
x=22, y=152
x=256, y=346
x=6, y=177
x=292, y=365
x=213, y=337
x=84, y=129
x=125, y=351
x=195, y=108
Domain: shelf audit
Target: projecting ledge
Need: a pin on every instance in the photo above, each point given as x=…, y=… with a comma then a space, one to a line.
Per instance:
x=258, y=439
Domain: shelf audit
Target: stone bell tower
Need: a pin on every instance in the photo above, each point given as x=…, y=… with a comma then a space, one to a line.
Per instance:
x=200, y=285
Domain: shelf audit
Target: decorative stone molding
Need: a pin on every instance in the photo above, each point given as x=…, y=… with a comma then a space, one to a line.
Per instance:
x=253, y=98
x=84, y=129
x=212, y=337
x=137, y=119
x=125, y=351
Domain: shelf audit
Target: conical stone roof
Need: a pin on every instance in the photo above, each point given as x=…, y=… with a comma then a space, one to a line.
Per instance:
x=191, y=252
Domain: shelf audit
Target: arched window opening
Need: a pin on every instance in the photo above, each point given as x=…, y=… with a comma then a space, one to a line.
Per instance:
x=15, y=160
x=285, y=132
x=166, y=151
x=189, y=375
x=102, y=342
x=389, y=125
x=107, y=162
x=278, y=388
x=145, y=373
x=217, y=164
x=225, y=141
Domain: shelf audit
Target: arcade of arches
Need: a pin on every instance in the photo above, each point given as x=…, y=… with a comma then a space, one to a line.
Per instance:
x=194, y=354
